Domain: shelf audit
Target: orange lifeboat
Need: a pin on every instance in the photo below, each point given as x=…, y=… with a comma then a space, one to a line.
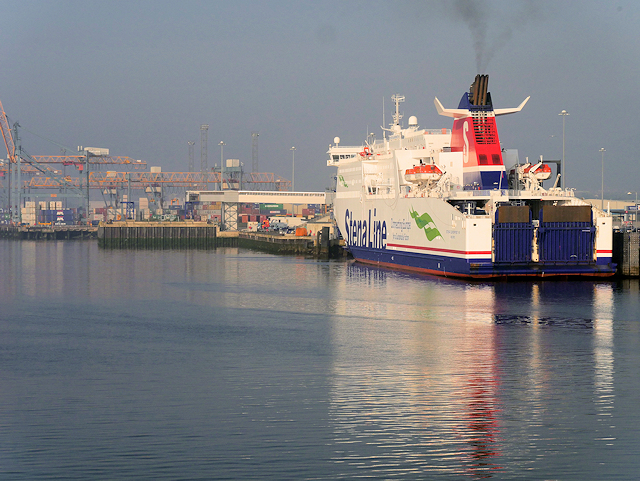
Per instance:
x=422, y=174
x=539, y=171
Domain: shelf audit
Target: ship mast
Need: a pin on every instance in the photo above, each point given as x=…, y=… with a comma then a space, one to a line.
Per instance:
x=397, y=98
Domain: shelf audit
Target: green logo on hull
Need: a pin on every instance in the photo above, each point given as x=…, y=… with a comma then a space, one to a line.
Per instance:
x=342, y=181
x=426, y=223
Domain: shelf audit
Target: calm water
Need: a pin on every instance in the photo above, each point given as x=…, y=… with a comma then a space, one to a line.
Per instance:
x=241, y=365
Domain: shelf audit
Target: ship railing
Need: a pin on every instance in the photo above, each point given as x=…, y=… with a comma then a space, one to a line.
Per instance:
x=543, y=193
x=437, y=131
x=514, y=193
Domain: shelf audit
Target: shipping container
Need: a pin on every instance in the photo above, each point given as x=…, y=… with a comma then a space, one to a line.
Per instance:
x=268, y=207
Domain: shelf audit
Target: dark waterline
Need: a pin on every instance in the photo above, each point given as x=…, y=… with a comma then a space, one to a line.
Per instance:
x=239, y=365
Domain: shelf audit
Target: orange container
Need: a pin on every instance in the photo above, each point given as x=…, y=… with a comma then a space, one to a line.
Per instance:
x=301, y=231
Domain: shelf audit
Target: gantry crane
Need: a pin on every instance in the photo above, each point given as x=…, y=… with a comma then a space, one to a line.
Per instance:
x=16, y=155
x=20, y=162
x=40, y=176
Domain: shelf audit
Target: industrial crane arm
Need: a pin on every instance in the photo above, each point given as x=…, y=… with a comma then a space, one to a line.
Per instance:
x=7, y=136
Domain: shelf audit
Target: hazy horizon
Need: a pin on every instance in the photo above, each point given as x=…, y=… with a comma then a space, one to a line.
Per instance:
x=141, y=77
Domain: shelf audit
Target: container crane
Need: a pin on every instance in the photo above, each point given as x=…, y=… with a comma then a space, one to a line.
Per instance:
x=15, y=156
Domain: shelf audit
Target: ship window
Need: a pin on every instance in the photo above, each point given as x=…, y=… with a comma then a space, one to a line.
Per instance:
x=496, y=159
x=482, y=158
x=336, y=157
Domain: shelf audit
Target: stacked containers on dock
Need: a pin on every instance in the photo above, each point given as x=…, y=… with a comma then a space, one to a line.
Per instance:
x=211, y=211
x=29, y=212
x=316, y=209
x=64, y=217
x=143, y=206
x=99, y=214
x=57, y=216
x=5, y=216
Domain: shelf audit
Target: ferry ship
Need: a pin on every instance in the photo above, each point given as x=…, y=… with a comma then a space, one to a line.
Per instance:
x=442, y=202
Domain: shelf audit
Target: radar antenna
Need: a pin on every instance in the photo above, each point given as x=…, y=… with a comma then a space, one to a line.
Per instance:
x=397, y=98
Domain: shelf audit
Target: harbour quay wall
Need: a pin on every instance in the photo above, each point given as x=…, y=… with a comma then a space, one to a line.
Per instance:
x=316, y=246
x=48, y=232
x=626, y=253
x=200, y=235
x=164, y=235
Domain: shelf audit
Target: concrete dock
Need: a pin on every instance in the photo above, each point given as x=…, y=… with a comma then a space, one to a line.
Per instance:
x=317, y=246
x=48, y=232
x=163, y=235
x=626, y=253
x=200, y=235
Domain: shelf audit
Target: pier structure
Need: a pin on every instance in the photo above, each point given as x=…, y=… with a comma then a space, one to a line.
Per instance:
x=163, y=235
x=49, y=232
x=201, y=235
x=626, y=253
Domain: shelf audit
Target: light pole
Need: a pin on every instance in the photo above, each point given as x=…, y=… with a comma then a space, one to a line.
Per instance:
x=293, y=170
x=221, y=144
x=564, y=114
x=635, y=212
x=602, y=151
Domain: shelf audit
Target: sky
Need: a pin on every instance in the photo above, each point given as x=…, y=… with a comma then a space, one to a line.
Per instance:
x=140, y=77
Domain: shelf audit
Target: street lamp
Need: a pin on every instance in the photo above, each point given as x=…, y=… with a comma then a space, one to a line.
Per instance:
x=602, y=151
x=293, y=170
x=564, y=114
x=635, y=213
x=221, y=144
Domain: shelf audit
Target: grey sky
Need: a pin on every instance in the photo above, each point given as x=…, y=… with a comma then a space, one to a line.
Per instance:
x=139, y=77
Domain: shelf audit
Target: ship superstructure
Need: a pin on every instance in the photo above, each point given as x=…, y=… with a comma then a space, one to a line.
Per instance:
x=441, y=201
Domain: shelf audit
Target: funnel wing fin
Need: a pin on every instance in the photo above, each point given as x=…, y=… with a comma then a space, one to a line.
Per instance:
x=511, y=110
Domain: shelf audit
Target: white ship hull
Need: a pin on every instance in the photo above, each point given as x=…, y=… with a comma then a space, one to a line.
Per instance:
x=453, y=244
x=458, y=227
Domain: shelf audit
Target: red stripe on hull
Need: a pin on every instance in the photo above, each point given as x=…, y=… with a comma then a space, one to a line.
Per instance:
x=496, y=276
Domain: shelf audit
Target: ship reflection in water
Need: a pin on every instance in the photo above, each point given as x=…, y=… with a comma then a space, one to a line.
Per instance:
x=444, y=377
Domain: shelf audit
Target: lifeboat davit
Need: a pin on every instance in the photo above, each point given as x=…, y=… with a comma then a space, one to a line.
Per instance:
x=422, y=174
x=539, y=171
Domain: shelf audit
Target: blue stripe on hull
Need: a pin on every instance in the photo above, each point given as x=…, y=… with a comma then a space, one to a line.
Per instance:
x=474, y=268
x=413, y=261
